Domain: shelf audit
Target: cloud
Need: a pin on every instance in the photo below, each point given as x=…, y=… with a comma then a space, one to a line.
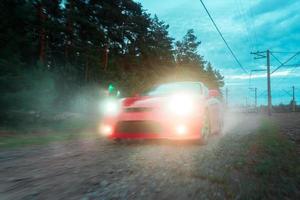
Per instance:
x=278, y=28
x=264, y=75
x=247, y=26
x=265, y=6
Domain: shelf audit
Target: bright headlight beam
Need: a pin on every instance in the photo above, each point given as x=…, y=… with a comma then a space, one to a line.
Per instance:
x=181, y=104
x=105, y=129
x=110, y=107
x=181, y=129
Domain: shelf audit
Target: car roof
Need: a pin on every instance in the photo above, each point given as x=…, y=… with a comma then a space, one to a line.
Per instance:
x=182, y=82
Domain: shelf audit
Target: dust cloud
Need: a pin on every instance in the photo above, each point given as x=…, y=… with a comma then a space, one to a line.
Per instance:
x=245, y=122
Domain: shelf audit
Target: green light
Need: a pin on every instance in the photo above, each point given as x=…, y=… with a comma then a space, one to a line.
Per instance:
x=111, y=88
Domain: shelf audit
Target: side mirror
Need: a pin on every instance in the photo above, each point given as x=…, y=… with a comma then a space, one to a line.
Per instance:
x=214, y=93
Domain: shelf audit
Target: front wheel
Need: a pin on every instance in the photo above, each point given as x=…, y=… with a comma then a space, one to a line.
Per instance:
x=205, y=130
x=117, y=141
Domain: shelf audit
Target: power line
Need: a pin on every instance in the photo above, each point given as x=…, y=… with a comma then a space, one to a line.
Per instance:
x=254, y=70
x=250, y=9
x=293, y=65
x=234, y=56
x=279, y=81
x=285, y=77
x=287, y=92
x=262, y=93
x=241, y=11
x=282, y=64
x=285, y=52
x=276, y=58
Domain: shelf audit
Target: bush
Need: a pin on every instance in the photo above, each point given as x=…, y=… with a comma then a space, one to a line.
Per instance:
x=32, y=89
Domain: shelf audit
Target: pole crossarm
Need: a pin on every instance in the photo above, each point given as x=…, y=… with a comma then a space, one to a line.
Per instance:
x=259, y=54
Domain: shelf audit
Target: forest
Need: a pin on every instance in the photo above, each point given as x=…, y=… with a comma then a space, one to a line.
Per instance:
x=53, y=52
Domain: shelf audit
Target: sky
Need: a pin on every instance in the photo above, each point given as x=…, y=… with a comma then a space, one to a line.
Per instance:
x=248, y=26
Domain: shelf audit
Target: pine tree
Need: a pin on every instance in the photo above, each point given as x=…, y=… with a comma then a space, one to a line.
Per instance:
x=192, y=66
x=82, y=42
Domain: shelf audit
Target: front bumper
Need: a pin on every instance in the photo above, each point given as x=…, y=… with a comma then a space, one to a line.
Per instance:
x=155, y=125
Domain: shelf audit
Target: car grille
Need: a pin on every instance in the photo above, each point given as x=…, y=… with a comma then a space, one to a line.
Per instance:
x=138, y=109
x=138, y=127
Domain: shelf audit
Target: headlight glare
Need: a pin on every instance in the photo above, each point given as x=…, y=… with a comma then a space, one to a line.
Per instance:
x=110, y=107
x=181, y=104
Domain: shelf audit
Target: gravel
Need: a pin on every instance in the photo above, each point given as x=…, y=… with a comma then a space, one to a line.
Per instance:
x=97, y=169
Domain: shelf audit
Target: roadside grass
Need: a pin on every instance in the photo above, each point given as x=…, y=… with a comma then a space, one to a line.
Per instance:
x=267, y=165
x=33, y=139
x=39, y=133
x=27, y=124
x=262, y=164
x=274, y=163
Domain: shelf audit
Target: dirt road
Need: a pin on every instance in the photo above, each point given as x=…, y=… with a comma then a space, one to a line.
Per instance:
x=98, y=169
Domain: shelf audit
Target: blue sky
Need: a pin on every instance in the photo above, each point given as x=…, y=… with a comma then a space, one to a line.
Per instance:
x=247, y=26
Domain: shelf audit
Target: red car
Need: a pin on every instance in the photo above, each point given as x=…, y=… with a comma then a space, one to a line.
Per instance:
x=178, y=110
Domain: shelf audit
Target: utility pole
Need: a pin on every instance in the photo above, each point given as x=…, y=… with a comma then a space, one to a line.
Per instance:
x=255, y=95
x=260, y=55
x=294, y=102
x=266, y=54
x=269, y=84
x=226, y=97
x=255, y=70
x=293, y=93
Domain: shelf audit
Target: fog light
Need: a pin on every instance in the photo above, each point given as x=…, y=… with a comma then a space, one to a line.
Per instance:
x=181, y=129
x=105, y=129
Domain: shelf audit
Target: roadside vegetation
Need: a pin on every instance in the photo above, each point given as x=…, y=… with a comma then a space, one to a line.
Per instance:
x=262, y=164
x=55, y=52
x=60, y=56
x=275, y=164
x=27, y=129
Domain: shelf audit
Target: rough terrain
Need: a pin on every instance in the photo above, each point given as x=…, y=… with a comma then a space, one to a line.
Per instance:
x=99, y=169
x=289, y=124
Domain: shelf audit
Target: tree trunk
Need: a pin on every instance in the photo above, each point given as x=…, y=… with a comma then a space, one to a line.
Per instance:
x=42, y=34
x=87, y=70
x=106, y=50
x=69, y=31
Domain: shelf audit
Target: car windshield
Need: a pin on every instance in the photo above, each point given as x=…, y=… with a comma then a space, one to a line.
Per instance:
x=170, y=88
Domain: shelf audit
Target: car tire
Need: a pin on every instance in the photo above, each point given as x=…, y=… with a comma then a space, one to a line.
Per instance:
x=117, y=141
x=221, y=127
x=205, y=129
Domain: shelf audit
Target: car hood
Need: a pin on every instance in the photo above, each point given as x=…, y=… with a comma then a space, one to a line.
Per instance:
x=144, y=101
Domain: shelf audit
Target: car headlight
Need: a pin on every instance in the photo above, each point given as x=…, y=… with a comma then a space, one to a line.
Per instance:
x=181, y=104
x=110, y=107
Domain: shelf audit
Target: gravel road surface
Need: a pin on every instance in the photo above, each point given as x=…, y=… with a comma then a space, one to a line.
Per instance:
x=98, y=169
